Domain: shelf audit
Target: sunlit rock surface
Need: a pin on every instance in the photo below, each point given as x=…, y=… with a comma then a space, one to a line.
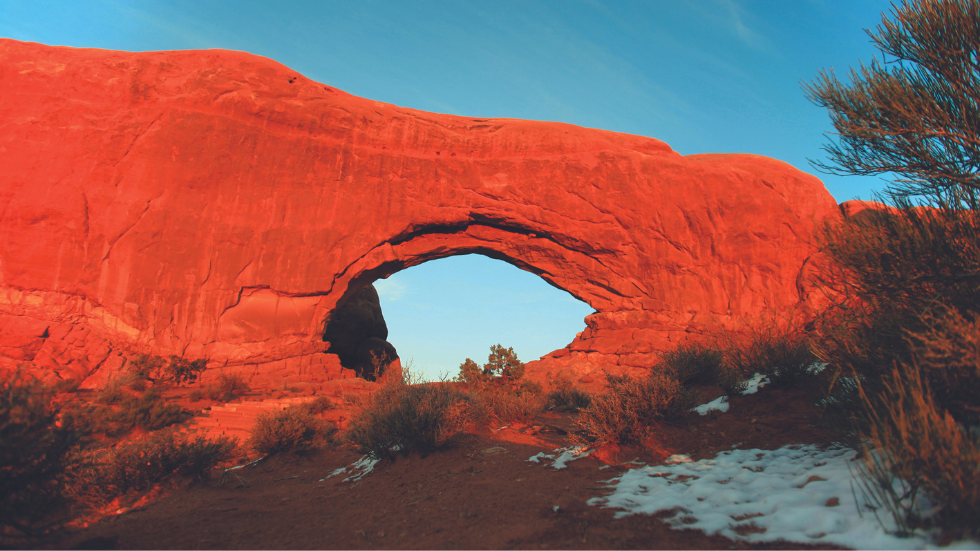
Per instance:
x=218, y=204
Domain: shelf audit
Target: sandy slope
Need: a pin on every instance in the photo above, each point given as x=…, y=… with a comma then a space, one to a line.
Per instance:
x=481, y=492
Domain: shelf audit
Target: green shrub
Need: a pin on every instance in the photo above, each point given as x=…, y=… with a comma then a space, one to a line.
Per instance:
x=181, y=371
x=564, y=396
x=904, y=339
x=629, y=407
x=292, y=429
x=150, y=412
x=138, y=465
x=890, y=270
x=177, y=370
x=231, y=386
x=502, y=368
x=35, y=454
x=146, y=367
x=408, y=418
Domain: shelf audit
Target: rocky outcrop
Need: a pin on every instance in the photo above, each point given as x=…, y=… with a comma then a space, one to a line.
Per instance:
x=218, y=204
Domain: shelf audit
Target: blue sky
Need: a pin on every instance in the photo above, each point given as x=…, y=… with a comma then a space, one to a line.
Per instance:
x=705, y=76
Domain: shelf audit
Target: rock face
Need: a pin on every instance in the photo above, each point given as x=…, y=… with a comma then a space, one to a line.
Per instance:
x=218, y=204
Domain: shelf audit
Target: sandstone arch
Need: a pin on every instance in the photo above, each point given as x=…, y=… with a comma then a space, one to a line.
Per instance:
x=214, y=203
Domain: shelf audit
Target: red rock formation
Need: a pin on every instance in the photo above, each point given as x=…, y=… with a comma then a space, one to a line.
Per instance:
x=215, y=203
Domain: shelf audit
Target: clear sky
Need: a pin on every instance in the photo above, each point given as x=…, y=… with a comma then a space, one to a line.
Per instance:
x=705, y=76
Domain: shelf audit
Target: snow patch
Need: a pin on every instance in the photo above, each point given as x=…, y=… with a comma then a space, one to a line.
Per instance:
x=796, y=493
x=566, y=455
x=359, y=469
x=719, y=404
x=755, y=383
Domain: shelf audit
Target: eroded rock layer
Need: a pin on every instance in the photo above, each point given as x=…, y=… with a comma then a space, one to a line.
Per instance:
x=218, y=204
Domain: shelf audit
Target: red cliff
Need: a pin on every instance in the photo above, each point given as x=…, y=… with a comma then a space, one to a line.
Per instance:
x=218, y=204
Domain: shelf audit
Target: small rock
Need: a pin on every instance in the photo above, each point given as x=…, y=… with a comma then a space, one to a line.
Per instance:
x=494, y=450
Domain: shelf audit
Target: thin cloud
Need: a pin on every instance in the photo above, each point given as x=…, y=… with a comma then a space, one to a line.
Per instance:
x=747, y=35
x=390, y=290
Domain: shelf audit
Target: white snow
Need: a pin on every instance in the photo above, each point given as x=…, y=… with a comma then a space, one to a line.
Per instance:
x=755, y=383
x=678, y=458
x=796, y=493
x=816, y=367
x=249, y=464
x=567, y=454
x=536, y=458
x=359, y=468
x=719, y=404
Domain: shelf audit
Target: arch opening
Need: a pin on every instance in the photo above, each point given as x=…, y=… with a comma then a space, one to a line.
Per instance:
x=565, y=266
x=442, y=311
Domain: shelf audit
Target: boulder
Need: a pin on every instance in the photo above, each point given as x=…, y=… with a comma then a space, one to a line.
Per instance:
x=219, y=204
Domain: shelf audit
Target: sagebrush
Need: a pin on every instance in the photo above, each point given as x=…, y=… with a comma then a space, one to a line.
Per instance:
x=902, y=345
x=295, y=428
x=138, y=465
x=630, y=407
x=36, y=442
x=565, y=396
x=404, y=418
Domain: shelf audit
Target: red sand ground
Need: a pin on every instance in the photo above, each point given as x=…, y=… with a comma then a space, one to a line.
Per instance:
x=480, y=492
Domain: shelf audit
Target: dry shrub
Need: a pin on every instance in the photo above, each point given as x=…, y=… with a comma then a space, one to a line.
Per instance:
x=112, y=391
x=138, y=465
x=408, y=418
x=35, y=454
x=699, y=365
x=629, y=407
x=507, y=405
x=915, y=445
x=947, y=351
x=498, y=391
x=888, y=271
x=904, y=349
x=781, y=354
x=564, y=396
x=292, y=429
x=229, y=387
x=149, y=412
x=317, y=405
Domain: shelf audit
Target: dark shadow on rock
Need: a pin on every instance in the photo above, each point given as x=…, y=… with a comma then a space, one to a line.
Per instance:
x=356, y=331
x=374, y=355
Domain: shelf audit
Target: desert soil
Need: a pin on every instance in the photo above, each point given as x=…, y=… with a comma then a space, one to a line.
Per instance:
x=481, y=492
